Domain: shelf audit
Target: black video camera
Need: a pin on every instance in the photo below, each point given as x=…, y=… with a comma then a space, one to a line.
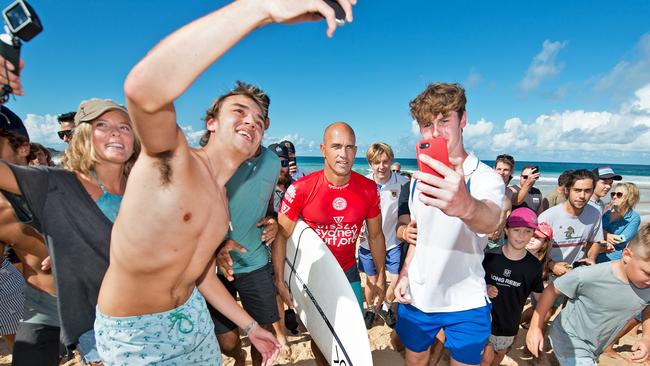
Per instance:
x=21, y=23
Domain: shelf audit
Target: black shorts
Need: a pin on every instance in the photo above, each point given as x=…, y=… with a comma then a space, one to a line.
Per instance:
x=36, y=344
x=257, y=294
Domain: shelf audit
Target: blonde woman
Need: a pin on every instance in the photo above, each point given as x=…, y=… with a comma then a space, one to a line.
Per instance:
x=76, y=207
x=620, y=222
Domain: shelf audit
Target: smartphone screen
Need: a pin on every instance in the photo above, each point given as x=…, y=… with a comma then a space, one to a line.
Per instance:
x=435, y=148
x=16, y=16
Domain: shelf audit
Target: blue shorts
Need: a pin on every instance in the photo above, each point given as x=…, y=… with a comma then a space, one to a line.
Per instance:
x=181, y=336
x=87, y=347
x=367, y=266
x=466, y=332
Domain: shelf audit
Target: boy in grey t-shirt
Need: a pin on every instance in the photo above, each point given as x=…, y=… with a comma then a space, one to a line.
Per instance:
x=593, y=316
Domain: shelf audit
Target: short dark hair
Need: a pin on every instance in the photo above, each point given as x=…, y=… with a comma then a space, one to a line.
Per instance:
x=563, y=179
x=505, y=158
x=580, y=174
x=34, y=147
x=66, y=117
x=15, y=140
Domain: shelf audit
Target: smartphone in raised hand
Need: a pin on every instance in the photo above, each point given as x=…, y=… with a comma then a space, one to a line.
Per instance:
x=435, y=148
x=338, y=11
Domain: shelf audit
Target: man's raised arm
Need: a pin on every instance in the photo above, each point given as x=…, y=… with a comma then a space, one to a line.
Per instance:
x=173, y=65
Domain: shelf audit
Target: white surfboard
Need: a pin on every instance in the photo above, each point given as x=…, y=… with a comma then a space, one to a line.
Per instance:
x=324, y=299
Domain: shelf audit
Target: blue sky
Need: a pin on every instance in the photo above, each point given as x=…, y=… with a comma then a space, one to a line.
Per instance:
x=552, y=80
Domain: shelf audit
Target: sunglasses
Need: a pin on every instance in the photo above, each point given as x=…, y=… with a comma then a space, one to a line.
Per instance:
x=616, y=194
x=65, y=133
x=524, y=176
x=284, y=163
x=396, y=171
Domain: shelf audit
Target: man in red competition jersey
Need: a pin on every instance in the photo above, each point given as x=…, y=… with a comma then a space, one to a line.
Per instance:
x=334, y=202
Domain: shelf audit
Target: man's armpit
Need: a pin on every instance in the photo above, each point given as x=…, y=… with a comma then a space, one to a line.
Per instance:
x=163, y=164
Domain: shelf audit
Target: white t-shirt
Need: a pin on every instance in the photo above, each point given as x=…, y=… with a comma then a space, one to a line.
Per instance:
x=389, y=197
x=446, y=272
x=572, y=233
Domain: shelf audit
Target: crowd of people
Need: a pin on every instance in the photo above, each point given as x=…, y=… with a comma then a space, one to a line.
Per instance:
x=134, y=250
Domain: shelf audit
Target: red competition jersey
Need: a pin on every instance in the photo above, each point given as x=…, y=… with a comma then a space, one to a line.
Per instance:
x=336, y=213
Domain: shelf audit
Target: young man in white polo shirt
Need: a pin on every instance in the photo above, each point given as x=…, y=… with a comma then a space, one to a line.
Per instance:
x=380, y=157
x=441, y=285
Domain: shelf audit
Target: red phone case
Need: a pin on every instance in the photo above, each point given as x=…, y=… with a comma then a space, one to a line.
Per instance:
x=435, y=148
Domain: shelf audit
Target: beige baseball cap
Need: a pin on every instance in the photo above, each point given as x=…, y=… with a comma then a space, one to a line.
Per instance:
x=90, y=109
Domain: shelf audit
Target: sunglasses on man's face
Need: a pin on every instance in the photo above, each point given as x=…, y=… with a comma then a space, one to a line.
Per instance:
x=396, y=171
x=65, y=133
x=284, y=163
x=616, y=194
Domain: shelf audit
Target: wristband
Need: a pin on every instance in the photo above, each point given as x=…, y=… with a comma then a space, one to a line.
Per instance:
x=249, y=327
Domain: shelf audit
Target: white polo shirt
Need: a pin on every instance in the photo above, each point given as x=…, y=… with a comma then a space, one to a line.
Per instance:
x=446, y=272
x=389, y=199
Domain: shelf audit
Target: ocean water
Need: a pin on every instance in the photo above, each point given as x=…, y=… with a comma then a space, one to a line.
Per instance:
x=550, y=171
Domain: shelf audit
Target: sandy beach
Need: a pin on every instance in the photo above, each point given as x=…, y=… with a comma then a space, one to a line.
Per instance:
x=383, y=353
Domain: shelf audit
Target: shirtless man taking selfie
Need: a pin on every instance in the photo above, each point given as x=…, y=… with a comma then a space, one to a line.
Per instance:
x=174, y=214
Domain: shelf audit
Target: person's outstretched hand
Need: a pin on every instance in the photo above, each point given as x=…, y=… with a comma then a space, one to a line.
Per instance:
x=298, y=11
x=266, y=343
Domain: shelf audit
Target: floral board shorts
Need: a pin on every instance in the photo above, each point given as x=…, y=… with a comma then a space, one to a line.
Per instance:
x=181, y=336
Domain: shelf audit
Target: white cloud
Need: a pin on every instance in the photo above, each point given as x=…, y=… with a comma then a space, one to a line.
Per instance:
x=304, y=146
x=643, y=99
x=478, y=134
x=193, y=137
x=42, y=129
x=629, y=74
x=576, y=135
x=543, y=66
x=415, y=128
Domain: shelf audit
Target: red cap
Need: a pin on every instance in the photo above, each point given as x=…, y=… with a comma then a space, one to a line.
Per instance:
x=544, y=230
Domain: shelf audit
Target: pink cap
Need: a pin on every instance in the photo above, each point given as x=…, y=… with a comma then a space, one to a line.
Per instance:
x=523, y=217
x=544, y=230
